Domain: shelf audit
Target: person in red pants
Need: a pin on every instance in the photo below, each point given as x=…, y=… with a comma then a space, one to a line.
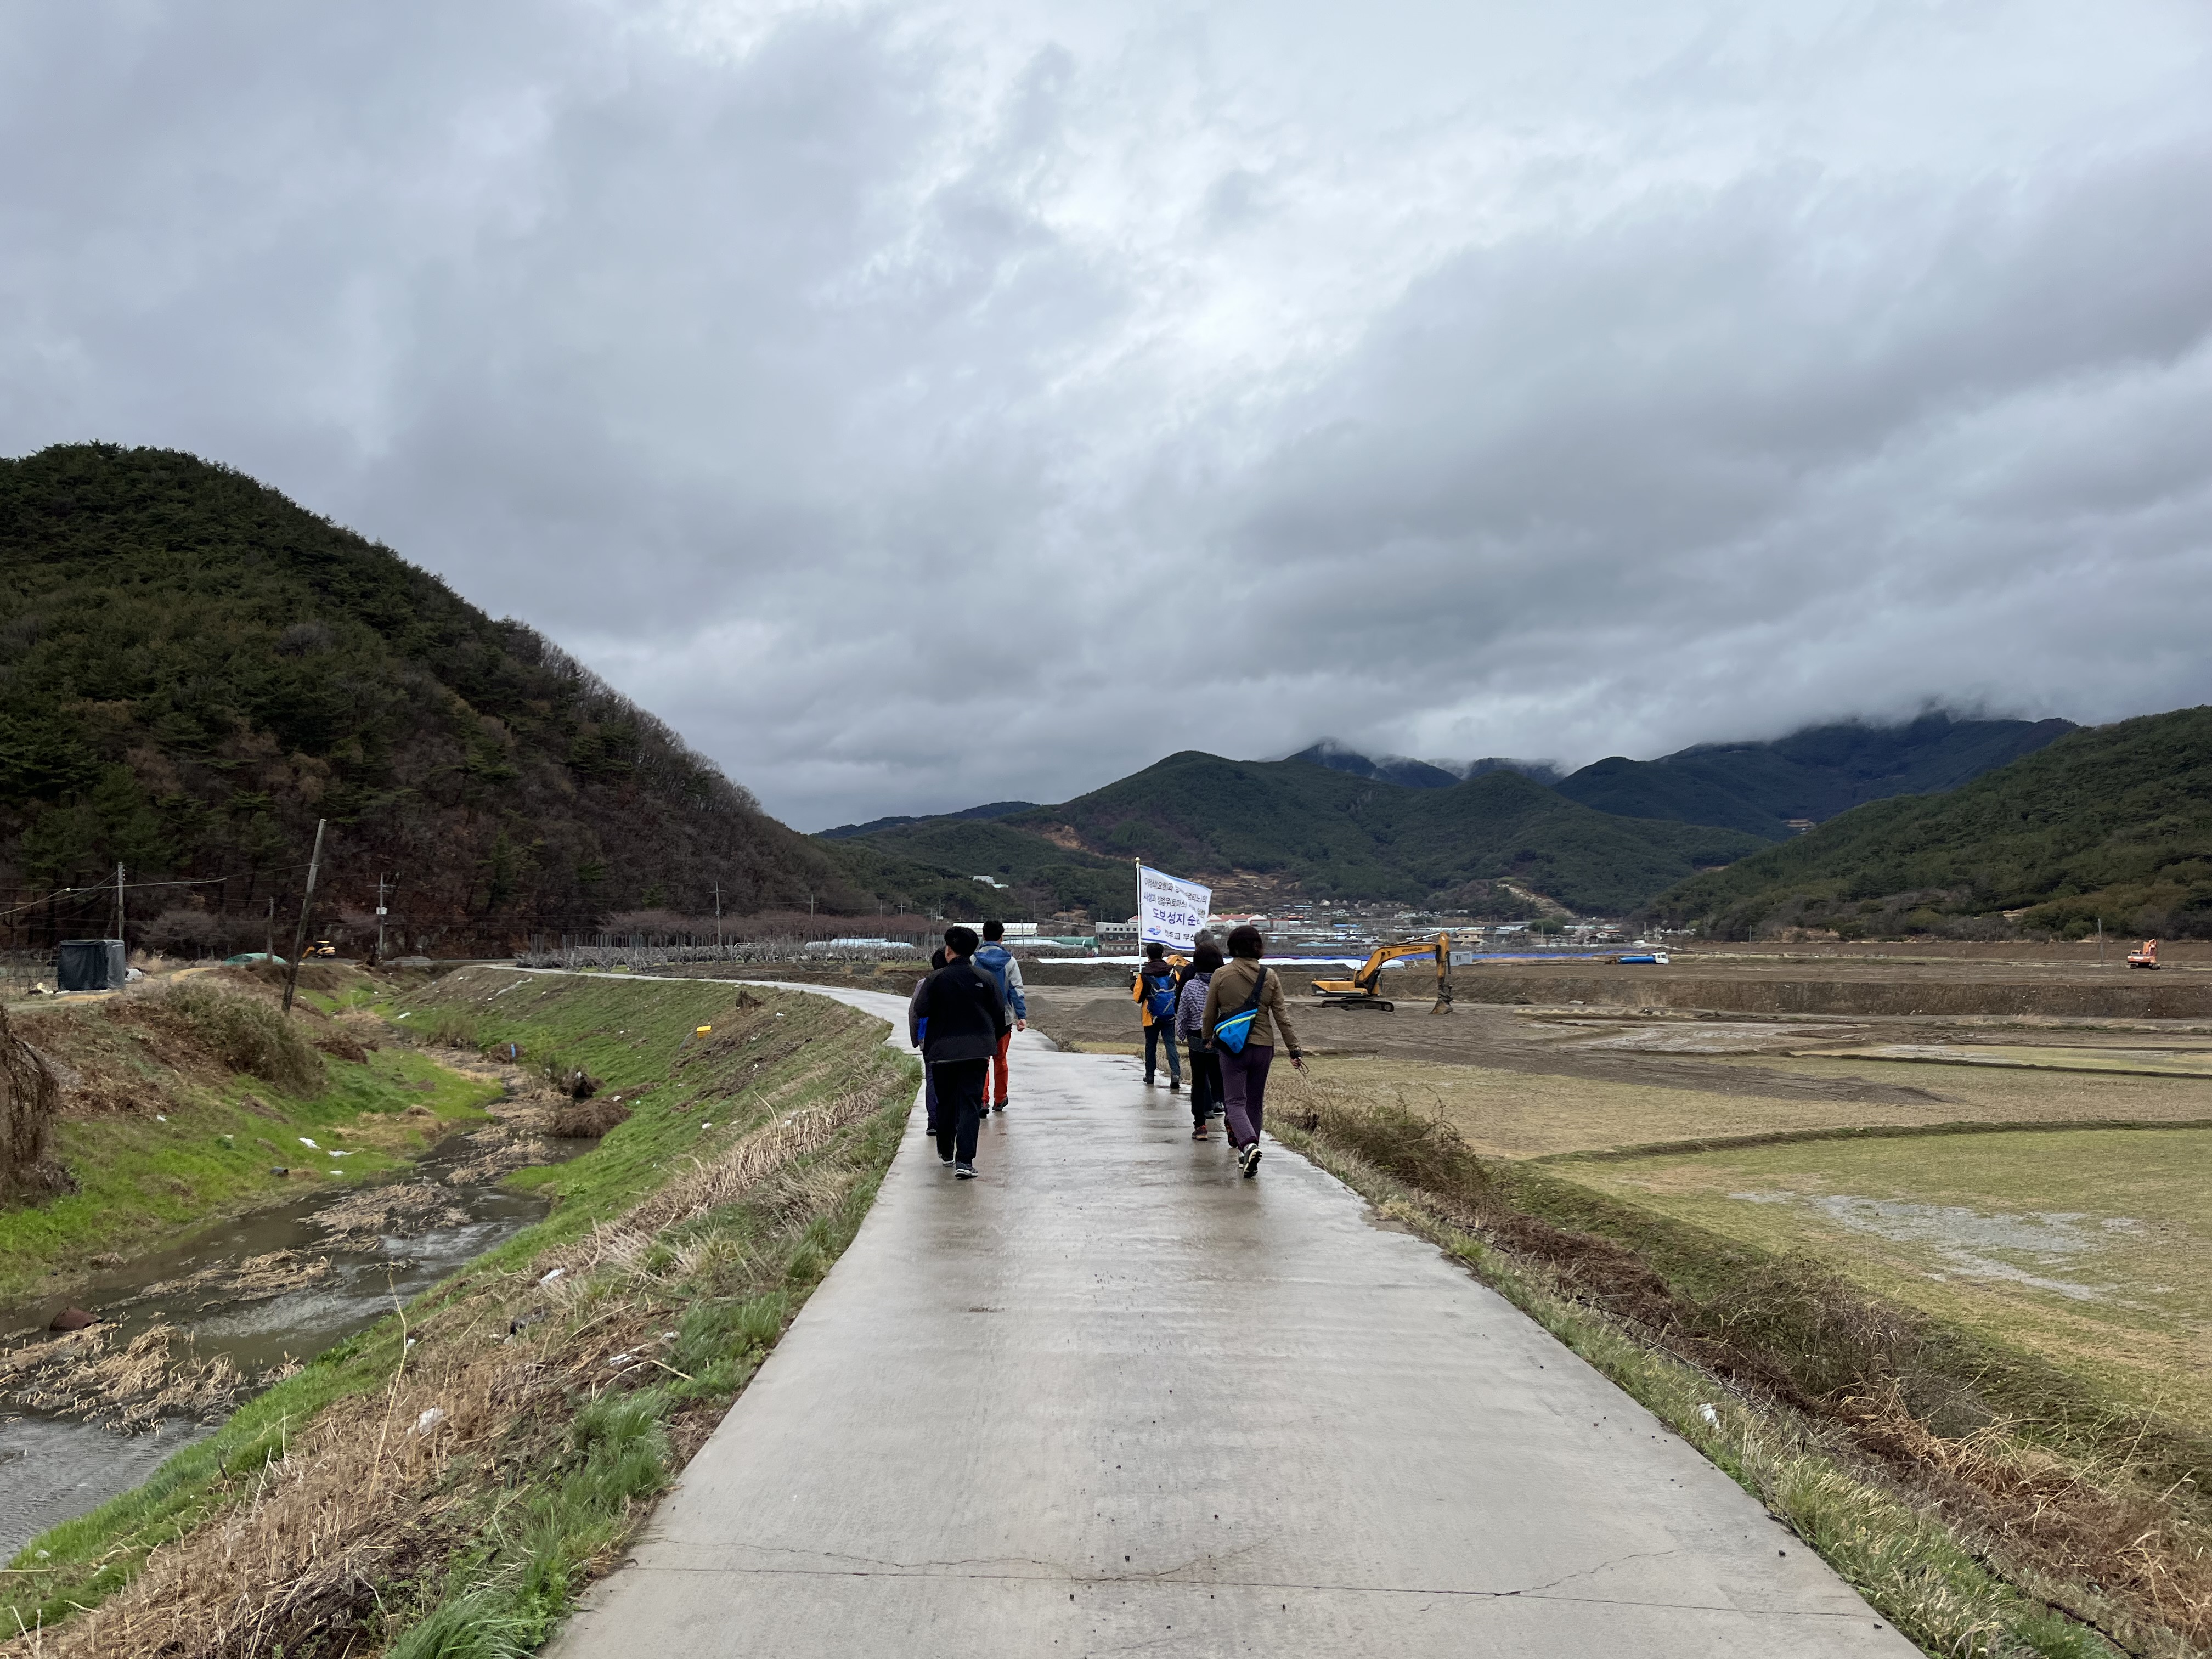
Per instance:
x=1004, y=969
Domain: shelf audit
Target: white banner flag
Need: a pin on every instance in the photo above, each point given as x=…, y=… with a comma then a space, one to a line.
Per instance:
x=1169, y=910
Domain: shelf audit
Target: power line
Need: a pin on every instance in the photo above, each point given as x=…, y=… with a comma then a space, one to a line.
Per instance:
x=107, y=887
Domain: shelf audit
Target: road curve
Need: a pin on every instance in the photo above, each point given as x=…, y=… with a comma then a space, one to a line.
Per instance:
x=1110, y=1397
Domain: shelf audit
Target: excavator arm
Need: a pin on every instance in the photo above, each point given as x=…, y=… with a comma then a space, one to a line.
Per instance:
x=1364, y=989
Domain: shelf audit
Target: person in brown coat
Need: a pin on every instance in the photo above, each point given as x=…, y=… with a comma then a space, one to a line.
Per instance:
x=1244, y=1074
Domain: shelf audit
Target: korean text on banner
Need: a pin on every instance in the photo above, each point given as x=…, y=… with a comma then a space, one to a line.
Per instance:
x=1169, y=910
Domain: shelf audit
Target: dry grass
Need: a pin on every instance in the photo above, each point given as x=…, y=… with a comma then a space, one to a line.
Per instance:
x=129, y=1389
x=372, y=1491
x=236, y=1032
x=2084, y=1523
x=249, y=1280
x=587, y=1119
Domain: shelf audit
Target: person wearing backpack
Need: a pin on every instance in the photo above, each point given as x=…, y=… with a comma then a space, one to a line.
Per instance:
x=1189, y=1026
x=1155, y=991
x=1005, y=970
x=1244, y=1013
x=959, y=1016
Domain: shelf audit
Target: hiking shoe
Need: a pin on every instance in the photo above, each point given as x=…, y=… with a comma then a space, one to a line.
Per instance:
x=1252, y=1160
x=963, y=1172
x=946, y=1158
x=1000, y=1107
x=1199, y=1132
x=1174, y=1086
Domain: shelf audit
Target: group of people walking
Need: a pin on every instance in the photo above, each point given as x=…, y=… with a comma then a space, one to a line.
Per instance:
x=1227, y=1013
x=962, y=1017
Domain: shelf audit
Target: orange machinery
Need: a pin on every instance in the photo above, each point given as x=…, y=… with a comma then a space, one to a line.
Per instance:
x=2146, y=957
x=1364, y=989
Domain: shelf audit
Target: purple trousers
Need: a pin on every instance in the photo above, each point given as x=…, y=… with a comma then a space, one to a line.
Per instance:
x=1244, y=1090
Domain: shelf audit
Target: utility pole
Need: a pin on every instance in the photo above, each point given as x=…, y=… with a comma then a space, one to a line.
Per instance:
x=119, y=902
x=718, y=915
x=2100, y=941
x=268, y=948
x=379, y=919
x=307, y=904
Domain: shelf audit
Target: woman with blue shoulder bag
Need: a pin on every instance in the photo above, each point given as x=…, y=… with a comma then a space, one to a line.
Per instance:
x=1244, y=1011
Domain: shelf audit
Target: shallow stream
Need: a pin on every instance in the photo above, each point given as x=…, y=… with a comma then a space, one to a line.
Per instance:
x=54, y=1466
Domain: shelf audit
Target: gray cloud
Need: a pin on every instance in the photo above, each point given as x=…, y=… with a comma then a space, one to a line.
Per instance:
x=896, y=398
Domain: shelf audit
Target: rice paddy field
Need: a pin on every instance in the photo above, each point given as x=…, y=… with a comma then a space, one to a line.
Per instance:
x=2055, y=1194
x=2091, y=1246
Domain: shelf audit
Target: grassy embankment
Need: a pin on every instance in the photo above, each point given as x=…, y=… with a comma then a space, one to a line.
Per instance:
x=184, y=1099
x=1962, y=1449
x=444, y=1482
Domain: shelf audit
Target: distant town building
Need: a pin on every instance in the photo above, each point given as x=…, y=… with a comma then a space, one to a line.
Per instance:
x=1798, y=826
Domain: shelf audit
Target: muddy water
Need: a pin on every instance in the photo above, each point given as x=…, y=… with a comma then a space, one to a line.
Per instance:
x=52, y=1469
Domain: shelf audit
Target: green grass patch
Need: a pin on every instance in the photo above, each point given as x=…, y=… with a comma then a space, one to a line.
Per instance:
x=143, y=1182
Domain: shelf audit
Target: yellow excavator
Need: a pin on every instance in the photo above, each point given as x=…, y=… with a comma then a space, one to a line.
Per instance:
x=1363, y=988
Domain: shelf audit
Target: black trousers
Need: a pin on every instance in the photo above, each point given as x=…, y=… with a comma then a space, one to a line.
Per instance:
x=1205, y=1083
x=959, y=1105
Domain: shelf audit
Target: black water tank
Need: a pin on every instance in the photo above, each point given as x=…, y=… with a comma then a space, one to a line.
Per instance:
x=90, y=964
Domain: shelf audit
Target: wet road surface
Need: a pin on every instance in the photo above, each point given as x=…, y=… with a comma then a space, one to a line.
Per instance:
x=1110, y=1396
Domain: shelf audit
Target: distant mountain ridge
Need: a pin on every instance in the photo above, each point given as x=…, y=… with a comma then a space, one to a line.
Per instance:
x=2110, y=823
x=1261, y=831
x=1419, y=774
x=1812, y=774
x=997, y=809
x=1329, y=821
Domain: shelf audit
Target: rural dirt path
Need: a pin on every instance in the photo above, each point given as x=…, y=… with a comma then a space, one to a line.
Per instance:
x=1111, y=1397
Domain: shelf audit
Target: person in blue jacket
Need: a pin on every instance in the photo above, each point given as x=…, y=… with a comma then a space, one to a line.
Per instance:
x=1004, y=970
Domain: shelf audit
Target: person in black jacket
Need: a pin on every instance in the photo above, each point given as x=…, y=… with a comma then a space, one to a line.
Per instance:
x=960, y=1014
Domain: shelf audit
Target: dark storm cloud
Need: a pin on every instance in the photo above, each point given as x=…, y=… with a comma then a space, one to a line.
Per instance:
x=889, y=395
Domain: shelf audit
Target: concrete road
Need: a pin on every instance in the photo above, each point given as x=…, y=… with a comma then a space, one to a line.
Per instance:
x=1110, y=1398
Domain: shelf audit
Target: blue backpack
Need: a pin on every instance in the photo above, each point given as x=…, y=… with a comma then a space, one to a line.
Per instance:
x=1160, y=999
x=994, y=970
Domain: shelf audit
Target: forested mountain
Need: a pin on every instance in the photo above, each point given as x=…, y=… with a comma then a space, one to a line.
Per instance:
x=2112, y=822
x=1810, y=775
x=1419, y=774
x=1391, y=768
x=193, y=670
x=1259, y=830
x=997, y=809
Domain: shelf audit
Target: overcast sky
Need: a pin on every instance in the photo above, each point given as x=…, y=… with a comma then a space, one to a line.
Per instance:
x=921, y=404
